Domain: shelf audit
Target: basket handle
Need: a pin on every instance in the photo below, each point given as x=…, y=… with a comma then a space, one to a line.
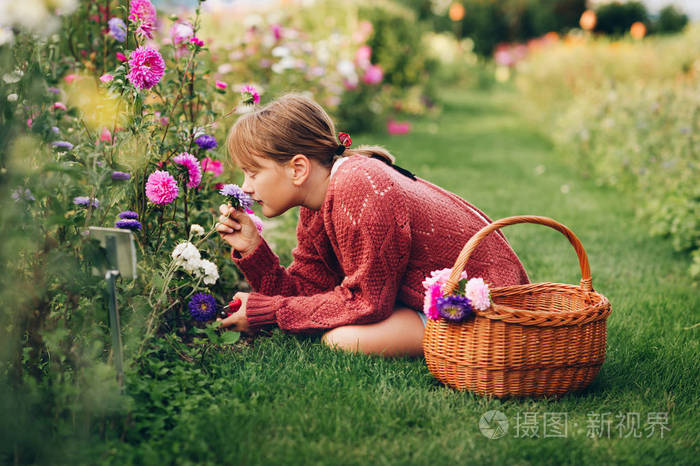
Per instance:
x=461, y=263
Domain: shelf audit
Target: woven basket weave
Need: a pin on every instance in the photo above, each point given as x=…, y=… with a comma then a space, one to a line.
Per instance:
x=542, y=339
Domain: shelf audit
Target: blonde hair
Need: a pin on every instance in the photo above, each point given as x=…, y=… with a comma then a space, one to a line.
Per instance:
x=292, y=124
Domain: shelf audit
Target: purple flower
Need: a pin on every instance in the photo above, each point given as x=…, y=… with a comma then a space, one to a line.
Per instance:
x=236, y=196
x=128, y=214
x=206, y=142
x=194, y=170
x=146, y=67
x=161, y=187
x=54, y=90
x=85, y=201
x=20, y=194
x=128, y=224
x=117, y=29
x=143, y=13
x=203, y=307
x=62, y=145
x=120, y=176
x=454, y=308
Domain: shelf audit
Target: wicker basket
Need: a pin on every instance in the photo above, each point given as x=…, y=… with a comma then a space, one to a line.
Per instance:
x=542, y=339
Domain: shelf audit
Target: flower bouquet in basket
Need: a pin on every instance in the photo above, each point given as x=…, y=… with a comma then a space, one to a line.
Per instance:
x=470, y=295
x=534, y=339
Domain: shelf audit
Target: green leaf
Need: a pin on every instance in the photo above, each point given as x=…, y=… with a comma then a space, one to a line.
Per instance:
x=228, y=338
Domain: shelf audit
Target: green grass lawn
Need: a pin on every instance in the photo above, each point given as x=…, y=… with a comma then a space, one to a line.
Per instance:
x=286, y=399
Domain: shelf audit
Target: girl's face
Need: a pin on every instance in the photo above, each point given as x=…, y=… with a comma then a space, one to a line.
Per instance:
x=270, y=185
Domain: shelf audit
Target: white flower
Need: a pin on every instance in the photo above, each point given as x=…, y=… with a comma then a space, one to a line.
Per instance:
x=14, y=77
x=211, y=272
x=197, y=229
x=186, y=252
x=346, y=68
x=6, y=35
x=12, y=98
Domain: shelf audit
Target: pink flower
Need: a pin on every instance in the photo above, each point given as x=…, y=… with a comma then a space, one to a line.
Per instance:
x=194, y=170
x=256, y=220
x=221, y=85
x=161, y=188
x=105, y=135
x=197, y=41
x=146, y=67
x=277, y=31
x=213, y=166
x=105, y=78
x=373, y=75
x=29, y=123
x=478, y=293
x=363, y=55
x=143, y=13
x=60, y=106
x=181, y=32
x=69, y=78
x=250, y=95
x=395, y=127
x=121, y=56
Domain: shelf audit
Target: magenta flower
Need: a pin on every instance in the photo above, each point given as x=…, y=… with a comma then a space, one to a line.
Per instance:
x=60, y=106
x=250, y=95
x=373, y=75
x=196, y=41
x=430, y=301
x=395, y=127
x=213, y=166
x=105, y=78
x=120, y=56
x=161, y=188
x=221, y=85
x=143, y=14
x=194, y=170
x=106, y=135
x=146, y=67
x=363, y=56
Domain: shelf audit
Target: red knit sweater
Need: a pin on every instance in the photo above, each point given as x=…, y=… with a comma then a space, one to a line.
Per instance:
x=372, y=243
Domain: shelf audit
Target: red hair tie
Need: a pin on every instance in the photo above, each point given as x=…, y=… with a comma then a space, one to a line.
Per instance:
x=344, y=139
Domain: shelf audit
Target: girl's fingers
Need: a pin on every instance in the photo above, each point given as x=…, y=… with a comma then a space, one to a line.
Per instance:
x=229, y=222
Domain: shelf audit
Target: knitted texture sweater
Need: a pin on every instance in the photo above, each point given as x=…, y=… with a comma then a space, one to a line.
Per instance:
x=375, y=239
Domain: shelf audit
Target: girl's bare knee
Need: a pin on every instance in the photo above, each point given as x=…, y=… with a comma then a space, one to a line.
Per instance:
x=341, y=338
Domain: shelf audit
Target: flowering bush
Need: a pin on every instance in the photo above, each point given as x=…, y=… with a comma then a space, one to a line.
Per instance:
x=627, y=124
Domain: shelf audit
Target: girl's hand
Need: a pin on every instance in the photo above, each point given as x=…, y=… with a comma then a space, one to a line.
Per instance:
x=237, y=229
x=238, y=321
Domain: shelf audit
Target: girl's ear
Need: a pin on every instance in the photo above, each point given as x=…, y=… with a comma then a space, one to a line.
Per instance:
x=299, y=169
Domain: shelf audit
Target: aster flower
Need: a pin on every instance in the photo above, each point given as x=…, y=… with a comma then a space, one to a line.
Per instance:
x=186, y=252
x=62, y=145
x=143, y=13
x=161, y=187
x=120, y=56
x=54, y=90
x=203, y=307
x=60, y=106
x=128, y=224
x=250, y=95
x=221, y=85
x=128, y=214
x=21, y=194
x=196, y=229
x=256, y=221
x=209, y=270
x=213, y=166
x=197, y=41
x=433, y=290
x=373, y=75
x=181, y=32
x=146, y=67
x=206, y=142
x=194, y=170
x=85, y=201
x=106, y=136
x=120, y=176
x=117, y=29
x=106, y=78
x=236, y=197
x=478, y=293
x=454, y=308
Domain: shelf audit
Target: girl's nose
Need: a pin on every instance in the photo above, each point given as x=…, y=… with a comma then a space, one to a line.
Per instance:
x=246, y=186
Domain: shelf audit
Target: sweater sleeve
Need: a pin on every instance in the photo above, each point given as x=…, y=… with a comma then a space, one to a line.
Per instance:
x=311, y=270
x=369, y=221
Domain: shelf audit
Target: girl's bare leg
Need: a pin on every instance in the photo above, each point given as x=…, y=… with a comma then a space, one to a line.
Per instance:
x=401, y=334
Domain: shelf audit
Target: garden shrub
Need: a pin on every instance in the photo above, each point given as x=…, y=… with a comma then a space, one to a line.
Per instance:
x=627, y=115
x=615, y=18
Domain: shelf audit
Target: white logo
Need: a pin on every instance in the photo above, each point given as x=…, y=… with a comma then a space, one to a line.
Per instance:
x=493, y=424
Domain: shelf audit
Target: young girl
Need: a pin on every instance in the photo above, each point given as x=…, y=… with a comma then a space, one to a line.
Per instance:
x=368, y=234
